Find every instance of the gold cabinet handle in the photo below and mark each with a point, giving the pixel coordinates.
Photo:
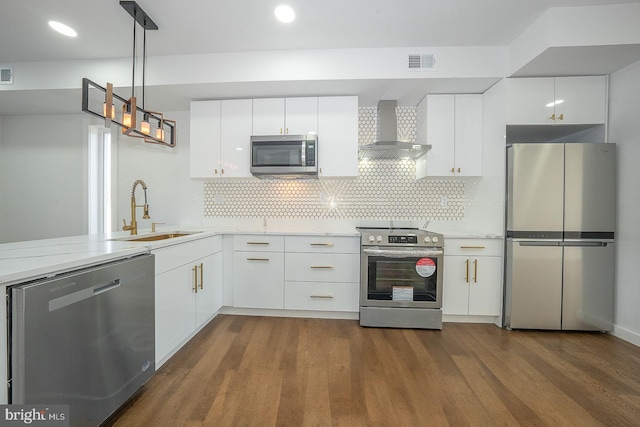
(321, 266)
(280, 131)
(257, 243)
(553, 117)
(475, 271)
(258, 259)
(321, 296)
(195, 278)
(321, 244)
(453, 170)
(466, 274)
(201, 275)
(561, 117)
(472, 247)
(221, 171)
(215, 171)
(458, 170)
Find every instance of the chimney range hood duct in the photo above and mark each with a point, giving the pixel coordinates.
(389, 145)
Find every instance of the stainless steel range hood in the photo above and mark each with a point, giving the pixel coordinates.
(389, 146)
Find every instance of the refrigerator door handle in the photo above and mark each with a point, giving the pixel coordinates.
(539, 243)
(586, 244)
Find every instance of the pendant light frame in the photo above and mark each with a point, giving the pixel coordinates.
(130, 106)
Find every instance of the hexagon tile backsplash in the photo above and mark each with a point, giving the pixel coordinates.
(384, 190)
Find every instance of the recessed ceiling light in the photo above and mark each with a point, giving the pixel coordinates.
(63, 29)
(285, 13)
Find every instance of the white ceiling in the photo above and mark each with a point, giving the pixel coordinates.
(205, 26)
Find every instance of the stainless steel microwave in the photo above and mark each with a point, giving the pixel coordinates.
(275, 155)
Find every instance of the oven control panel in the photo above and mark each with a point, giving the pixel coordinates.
(403, 239)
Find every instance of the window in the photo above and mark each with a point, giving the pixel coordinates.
(100, 180)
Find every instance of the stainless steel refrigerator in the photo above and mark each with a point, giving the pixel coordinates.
(560, 254)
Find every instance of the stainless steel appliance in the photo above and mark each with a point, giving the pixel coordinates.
(560, 257)
(401, 278)
(84, 339)
(284, 155)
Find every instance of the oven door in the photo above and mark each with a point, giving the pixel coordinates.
(401, 277)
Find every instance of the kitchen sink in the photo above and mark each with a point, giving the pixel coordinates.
(154, 237)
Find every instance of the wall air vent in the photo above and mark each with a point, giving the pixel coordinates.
(6, 75)
(422, 61)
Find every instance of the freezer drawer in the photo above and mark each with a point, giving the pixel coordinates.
(533, 293)
(588, 288)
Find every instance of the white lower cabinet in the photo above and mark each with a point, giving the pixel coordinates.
(258, 271)
(472, 277)
(322, 273)
(296, 272)
(188, 291)
(258, 280)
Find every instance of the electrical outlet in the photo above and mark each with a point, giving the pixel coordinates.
(444, 201)
(218, 199)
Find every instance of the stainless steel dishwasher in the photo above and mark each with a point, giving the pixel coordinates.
(84, 338)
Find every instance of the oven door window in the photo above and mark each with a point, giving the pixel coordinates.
(278, 153)
(411, 278)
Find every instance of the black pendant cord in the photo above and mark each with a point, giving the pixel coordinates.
(144, 62)
(133, 77)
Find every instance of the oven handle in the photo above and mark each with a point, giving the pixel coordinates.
(401, 253)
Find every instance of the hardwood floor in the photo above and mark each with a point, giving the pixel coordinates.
(268, 371)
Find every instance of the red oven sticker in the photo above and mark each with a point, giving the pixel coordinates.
(425, 267)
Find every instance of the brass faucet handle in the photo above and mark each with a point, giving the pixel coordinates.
(153, 226)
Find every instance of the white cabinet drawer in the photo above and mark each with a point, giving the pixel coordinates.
(479, 247)
(258, 280)
(305, 267)
(321, 296)
(171, 257)
(258, 243)
(326, 244)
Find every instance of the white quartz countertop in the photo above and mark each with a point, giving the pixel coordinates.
(35, 259)
(30, 260)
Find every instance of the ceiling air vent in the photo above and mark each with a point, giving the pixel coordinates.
(422, 61)
(6, 75)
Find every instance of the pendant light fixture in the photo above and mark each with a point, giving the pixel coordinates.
(165, 129)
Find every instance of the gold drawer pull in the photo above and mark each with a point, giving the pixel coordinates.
(258, 259)
(322, 296)
(257, 243)
(321, 244)
(321, 266)
(472, 247)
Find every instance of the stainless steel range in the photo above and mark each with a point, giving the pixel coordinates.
(401, 278)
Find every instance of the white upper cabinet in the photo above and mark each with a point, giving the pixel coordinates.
(205, 139)
(235, 134)
(285, 116)
(454, 131)
(338, 136)
(557, 100)
(220, 132)
(268, 116)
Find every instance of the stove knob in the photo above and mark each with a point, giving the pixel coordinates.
(427, 239)
(379, 238)
(435, 239)
(371, 238)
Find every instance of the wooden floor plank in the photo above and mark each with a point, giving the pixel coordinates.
(267, 371)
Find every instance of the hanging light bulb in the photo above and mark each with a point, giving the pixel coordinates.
(112, 113)
(145, 127)
(126, 116)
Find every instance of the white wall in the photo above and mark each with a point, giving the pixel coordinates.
(624, 130)
(172, 196)
(42, 170)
